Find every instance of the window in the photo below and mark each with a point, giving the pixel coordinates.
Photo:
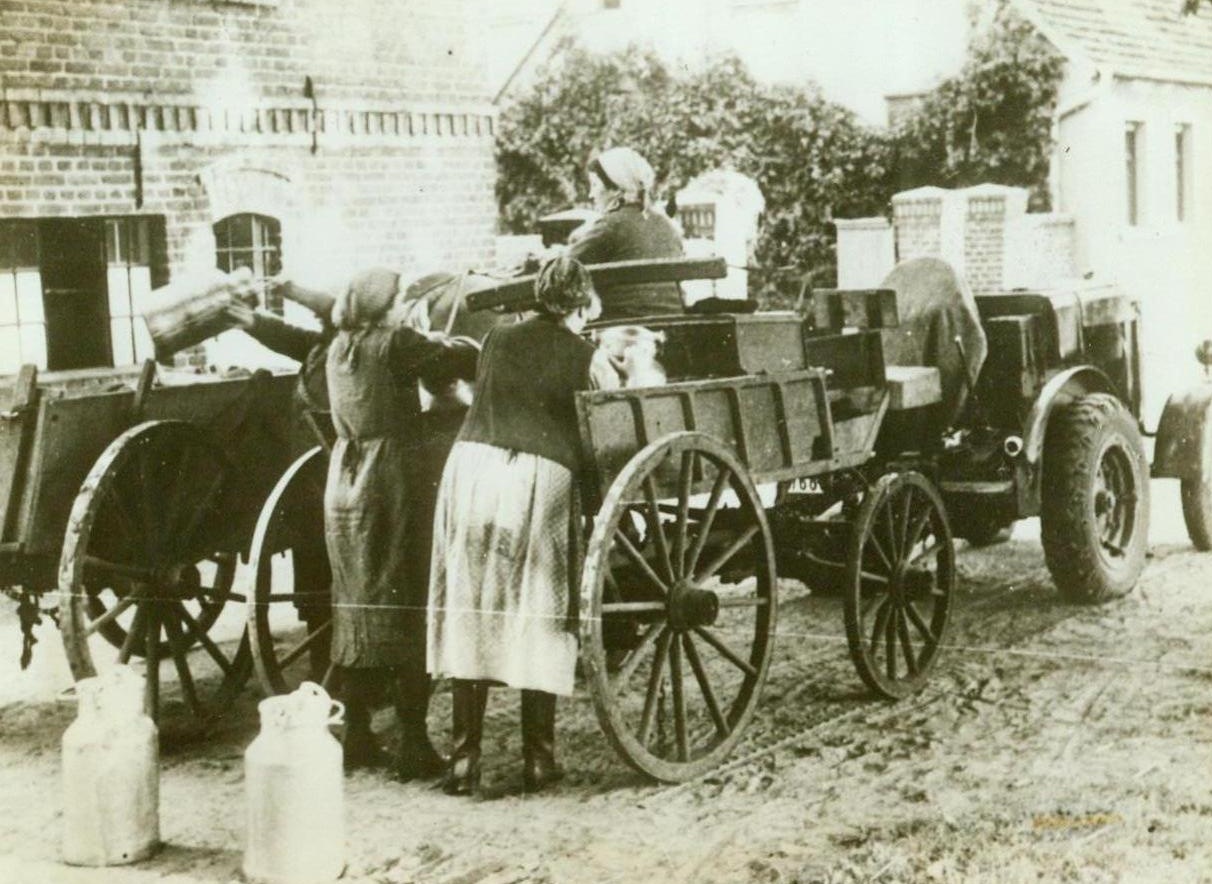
(128, 283)
(1182, 172)
(255, 242)
(1133, 159)
(698, 221)
(22, 318)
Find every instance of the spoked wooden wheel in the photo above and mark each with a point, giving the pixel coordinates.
(290, 611)
(900, 580)
(147, 566)
(679, 578)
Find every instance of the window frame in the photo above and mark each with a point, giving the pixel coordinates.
(264, 243)
(1184, 165)
(13, 265)
(1134, 172)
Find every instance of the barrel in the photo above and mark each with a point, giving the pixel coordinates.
(190, 310)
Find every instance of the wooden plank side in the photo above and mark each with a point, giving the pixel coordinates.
(72, 432)
(70, 435)
(16, 436)
(617, 423)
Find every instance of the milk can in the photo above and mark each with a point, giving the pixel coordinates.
(190, 310)
(293, 784)
(111, 777)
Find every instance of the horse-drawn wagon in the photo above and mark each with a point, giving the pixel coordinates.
(678, 574)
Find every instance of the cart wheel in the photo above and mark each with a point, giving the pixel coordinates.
(145, 565)
(681, 559)
(900, 579)
(290, 613)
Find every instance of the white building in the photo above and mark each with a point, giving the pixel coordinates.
(1133, 161)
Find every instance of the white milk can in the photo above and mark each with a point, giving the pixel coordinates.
(111, 776)
(293, 784)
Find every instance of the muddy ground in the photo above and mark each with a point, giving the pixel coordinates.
(1055, 743)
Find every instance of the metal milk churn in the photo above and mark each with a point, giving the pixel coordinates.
(293, 784)
(190, 310)
(111, 776)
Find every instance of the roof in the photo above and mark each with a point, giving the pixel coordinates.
(1145, 39)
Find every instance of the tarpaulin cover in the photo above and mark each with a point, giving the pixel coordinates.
(935, 306)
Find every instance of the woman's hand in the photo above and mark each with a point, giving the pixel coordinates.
(239, 314)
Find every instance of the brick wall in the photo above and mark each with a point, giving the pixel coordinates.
(986, 233)
(991, 210)
(354, 50)
(917, 217)
(195, 110)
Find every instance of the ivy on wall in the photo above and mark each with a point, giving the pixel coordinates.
(812, 159)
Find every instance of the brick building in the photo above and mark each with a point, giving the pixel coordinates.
(141, 139)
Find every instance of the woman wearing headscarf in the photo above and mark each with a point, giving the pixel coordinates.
(501, 604)
(620, 184)
(378, 513)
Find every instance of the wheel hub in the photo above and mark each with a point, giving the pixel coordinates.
(690, 606)
(181, 580)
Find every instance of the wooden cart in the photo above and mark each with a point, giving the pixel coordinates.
(678, 596)
(686, 484)
(135, 497)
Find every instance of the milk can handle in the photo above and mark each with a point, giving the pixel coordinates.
(337, 714)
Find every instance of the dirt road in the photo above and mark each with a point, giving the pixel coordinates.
(1055, 743)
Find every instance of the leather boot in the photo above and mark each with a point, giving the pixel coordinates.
(360, 748)
(539, 766)
(463, 771)
(417, 759)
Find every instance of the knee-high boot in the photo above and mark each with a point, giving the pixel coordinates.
(417, 758)
(539, 765)
(467, 728)
(361, 749)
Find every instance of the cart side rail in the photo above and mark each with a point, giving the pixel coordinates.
(780, 425)
(250, 418)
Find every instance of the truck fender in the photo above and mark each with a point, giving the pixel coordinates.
(1070, 384)
(1184, 435)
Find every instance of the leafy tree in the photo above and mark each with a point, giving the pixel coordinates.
(812, 159)
(990, 123)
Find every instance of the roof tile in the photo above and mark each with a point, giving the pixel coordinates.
(1133, 38)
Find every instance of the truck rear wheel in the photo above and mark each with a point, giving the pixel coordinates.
(1095, 516)
(1197, 511)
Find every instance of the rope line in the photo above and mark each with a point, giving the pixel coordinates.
(830, 638)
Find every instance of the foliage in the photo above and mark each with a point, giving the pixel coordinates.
(990, 123)
(812, 159)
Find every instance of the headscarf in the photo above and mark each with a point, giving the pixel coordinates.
(624, 170)
(362, 306)
(367, 299)
(563, 286)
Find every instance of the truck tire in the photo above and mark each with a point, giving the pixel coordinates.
(1095, 508)
(1197, 511)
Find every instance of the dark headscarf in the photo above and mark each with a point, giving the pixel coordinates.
(363, 305)
(563, 286)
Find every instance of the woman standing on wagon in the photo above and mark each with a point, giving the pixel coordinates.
(378, 524)
(500, 597)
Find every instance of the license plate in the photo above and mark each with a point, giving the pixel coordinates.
(808, 485)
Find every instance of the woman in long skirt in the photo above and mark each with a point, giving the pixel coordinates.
(378, 506)
(502, 580)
